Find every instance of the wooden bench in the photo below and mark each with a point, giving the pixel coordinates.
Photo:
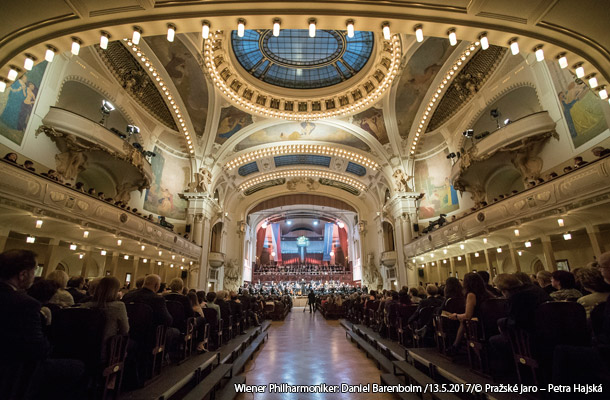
(417, 377)
(392, 380)
(210, 382)
(240, 362)
(228, 392)
(382, 361)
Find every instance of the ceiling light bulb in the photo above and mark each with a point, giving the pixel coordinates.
(419, 33)
(75, 49)
(86, 234)
(462, 246)
(603, 94)
(312, 28)
(499, 249)
(142, 247)
(126, 257)
(452, 37)
(459, 258)
(528, 244)
(350, 28)
(49, 54)
(103, 252)
(137, 34)
(484, 41)
(119, 242)
(241, 28)
(12, 74)
(81, 256)
(171, 32)
(72, 247)
(514, 47)
(516, 232)
(276, 28)
(205, 30)
(560, 221)
(444, 251)
(104, 40)
(476, 254)
(592, 81)
(520, 253)
(484, 240)
(563, 61)
(39, 223)
(580, 71)
(30, 239)
(539, 54)
(145, 260)
(29, 63)
(567, 236)
(386, 31)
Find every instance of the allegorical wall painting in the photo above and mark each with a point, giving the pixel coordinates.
(170, 175)
(432, 179)
(232, 120)
(372, 121)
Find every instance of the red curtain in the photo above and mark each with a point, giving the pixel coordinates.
(260, 241)
(343, 240)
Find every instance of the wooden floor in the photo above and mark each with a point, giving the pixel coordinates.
(306, 349)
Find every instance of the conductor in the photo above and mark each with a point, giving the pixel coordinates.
(311, 299)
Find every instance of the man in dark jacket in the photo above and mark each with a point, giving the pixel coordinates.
(148, 295)
(311, 300)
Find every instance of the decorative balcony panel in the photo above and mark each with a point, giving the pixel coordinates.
(388, 258)
(216, 259)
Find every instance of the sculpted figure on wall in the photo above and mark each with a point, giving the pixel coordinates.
(401, 181)
(203, 180)
(232, 278)
(370, 275)
(70, 163)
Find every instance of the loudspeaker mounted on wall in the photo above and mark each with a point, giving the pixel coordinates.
(187, 228)
(416, 227)
(183, 274)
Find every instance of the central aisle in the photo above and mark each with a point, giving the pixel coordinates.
(306, 349)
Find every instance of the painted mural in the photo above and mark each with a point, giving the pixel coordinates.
(372, 121)
(187, 76)
(305, 130)
(432, 178)
(419, 73)
(581, 107)
(170, 176)
(232, 120)
(17, 103)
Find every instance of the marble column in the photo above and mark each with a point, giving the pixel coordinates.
(514, 256)
(114, 264)
(452, 265)
(468, 262)
(549, 255)
(595, 238)
(51, 258)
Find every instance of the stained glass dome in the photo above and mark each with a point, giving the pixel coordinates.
(295, 60)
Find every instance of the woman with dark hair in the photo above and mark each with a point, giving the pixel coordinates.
(476, 294)
(43, 290)
(105, 298)
(565, 283)
(454, 296)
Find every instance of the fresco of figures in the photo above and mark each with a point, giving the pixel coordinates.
(432, 179)
(231, 121)
(170, 177)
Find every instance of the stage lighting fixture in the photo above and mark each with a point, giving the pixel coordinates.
(288, 222)
(451, 155)
(131, 129)
(468, 133)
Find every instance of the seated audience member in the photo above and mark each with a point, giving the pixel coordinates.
(433, 300)
(91, 191)
(176, 285)
(101, 196)
(476, 294)
(523, 298)
(225, 308)
(565, 284)
(80, 187)
(62, 298)
(148, 295)
(29, 165)
(43, 290)
(211, 302)
(52, 174)
(201, 297)
(21, 334)
(139, 283)
(75, 288)
(192, 296)
(579, 162)
(11, 157)
(544, 280)
(592, 281)
(454, 292)
(106, 298)
(415, 299)
(485, 276)
(600, 151)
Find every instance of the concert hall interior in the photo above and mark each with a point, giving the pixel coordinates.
(200, 194)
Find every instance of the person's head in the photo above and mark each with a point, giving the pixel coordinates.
(201, 296)
(563, 280)
(604, 266)
(453, 288)
(60, 277)
(193, 299)
(473, 283)
(597, 151)
(18, 267)
(543, 278)
(210, 297)
(93, 285)
(176, 285)
(523, 277)
(106, 291)
(413, 292)
(484, 275)
(79, 185)
(12, 157)
(152, 282)
(28, 164)
(508, 284)
(431, 290)
(42, 290)
(139, 282)
(76, 282)
(592, 280)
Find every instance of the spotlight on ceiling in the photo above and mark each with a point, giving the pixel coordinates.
(312, 27)
(131, 129)
(276, 27)
(349, 26)
(468, 133)
(241, 27)
(451, 155)
(106, 109)
(289, 222)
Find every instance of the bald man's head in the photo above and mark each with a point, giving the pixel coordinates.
(604, 266)
(152, 282)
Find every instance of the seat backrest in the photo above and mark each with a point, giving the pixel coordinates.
(425, 316)
(597, 318)
(77, 333)
(141, 321)
(490, 312)
(455, 305)
(560, 322)
(176, 310)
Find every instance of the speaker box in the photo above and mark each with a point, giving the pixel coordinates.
(183, 274)
(416, 227)
(187, 228)
(420, 272)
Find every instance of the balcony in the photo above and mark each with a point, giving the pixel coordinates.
(579, 191)
(216, 259)
(24, 193)
(388, 258)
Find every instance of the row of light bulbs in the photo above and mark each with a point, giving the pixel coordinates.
(527, 243)
(300, 149)
(365, 102)
(302, 173)
(119, 242)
